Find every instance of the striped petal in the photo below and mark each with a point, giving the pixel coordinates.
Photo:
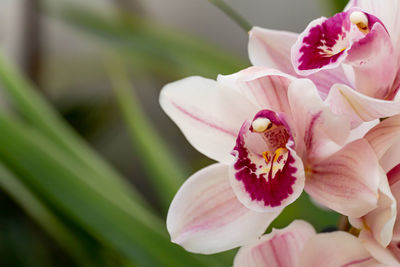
(394, 181)
(281, 248)
(271, 48)
(208, 115)
(359, 107)
(384, 135)
(380, 221)
(346, 181)
(336, 249)
(266, 88)
(206, 217)
(383, 255)
(319, 132)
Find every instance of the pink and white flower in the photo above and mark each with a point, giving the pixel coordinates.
(299, 246)
(273, 136)
(358, 48)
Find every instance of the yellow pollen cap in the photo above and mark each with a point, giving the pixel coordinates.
(361, 20)
(261, 124)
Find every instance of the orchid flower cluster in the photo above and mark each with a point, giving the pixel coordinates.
(318, 111)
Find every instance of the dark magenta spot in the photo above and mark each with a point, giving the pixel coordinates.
(318, 49)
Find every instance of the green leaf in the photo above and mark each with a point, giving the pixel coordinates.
(165, 172)
(48, 170)
(339, 5)
(232, 14)
(11, 185)
(41, 115)
(304, 209)
(152, 47)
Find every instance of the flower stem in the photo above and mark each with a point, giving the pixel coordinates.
(230, 12)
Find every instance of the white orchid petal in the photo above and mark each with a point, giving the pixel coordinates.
(359, 107)
(346, 181)
(206, 217)
(209, 116)
(384, 135)
(335, 249)
(281, 248)
(381, 220)
(394, 181)
(317, 128)
(391, 157)
(271, 48)
(379, 252)
(361, 130)
(266, 88)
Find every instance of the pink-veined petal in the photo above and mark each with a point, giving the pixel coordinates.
(384, 135)
(208, 115)
(346, 181)
(334, 250)
(318, 130)
(266, 88)
(394, 249)
(391, 157)
(281, 248)
(381, 220)
(267, 174)
(271, 48)
(381, 254)
(394, 181)
(206, 217)
(361, 130)
(359, 107)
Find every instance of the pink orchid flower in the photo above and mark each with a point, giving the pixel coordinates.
(380, 228)
(358, 48)
(298, 245)
(273, 136)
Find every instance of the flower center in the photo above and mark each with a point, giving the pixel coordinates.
(264, 165)
(275, 162)
(275, 138)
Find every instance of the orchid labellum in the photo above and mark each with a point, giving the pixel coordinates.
(273, 136)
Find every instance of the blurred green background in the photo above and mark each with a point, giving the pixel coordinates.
(88, 161)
